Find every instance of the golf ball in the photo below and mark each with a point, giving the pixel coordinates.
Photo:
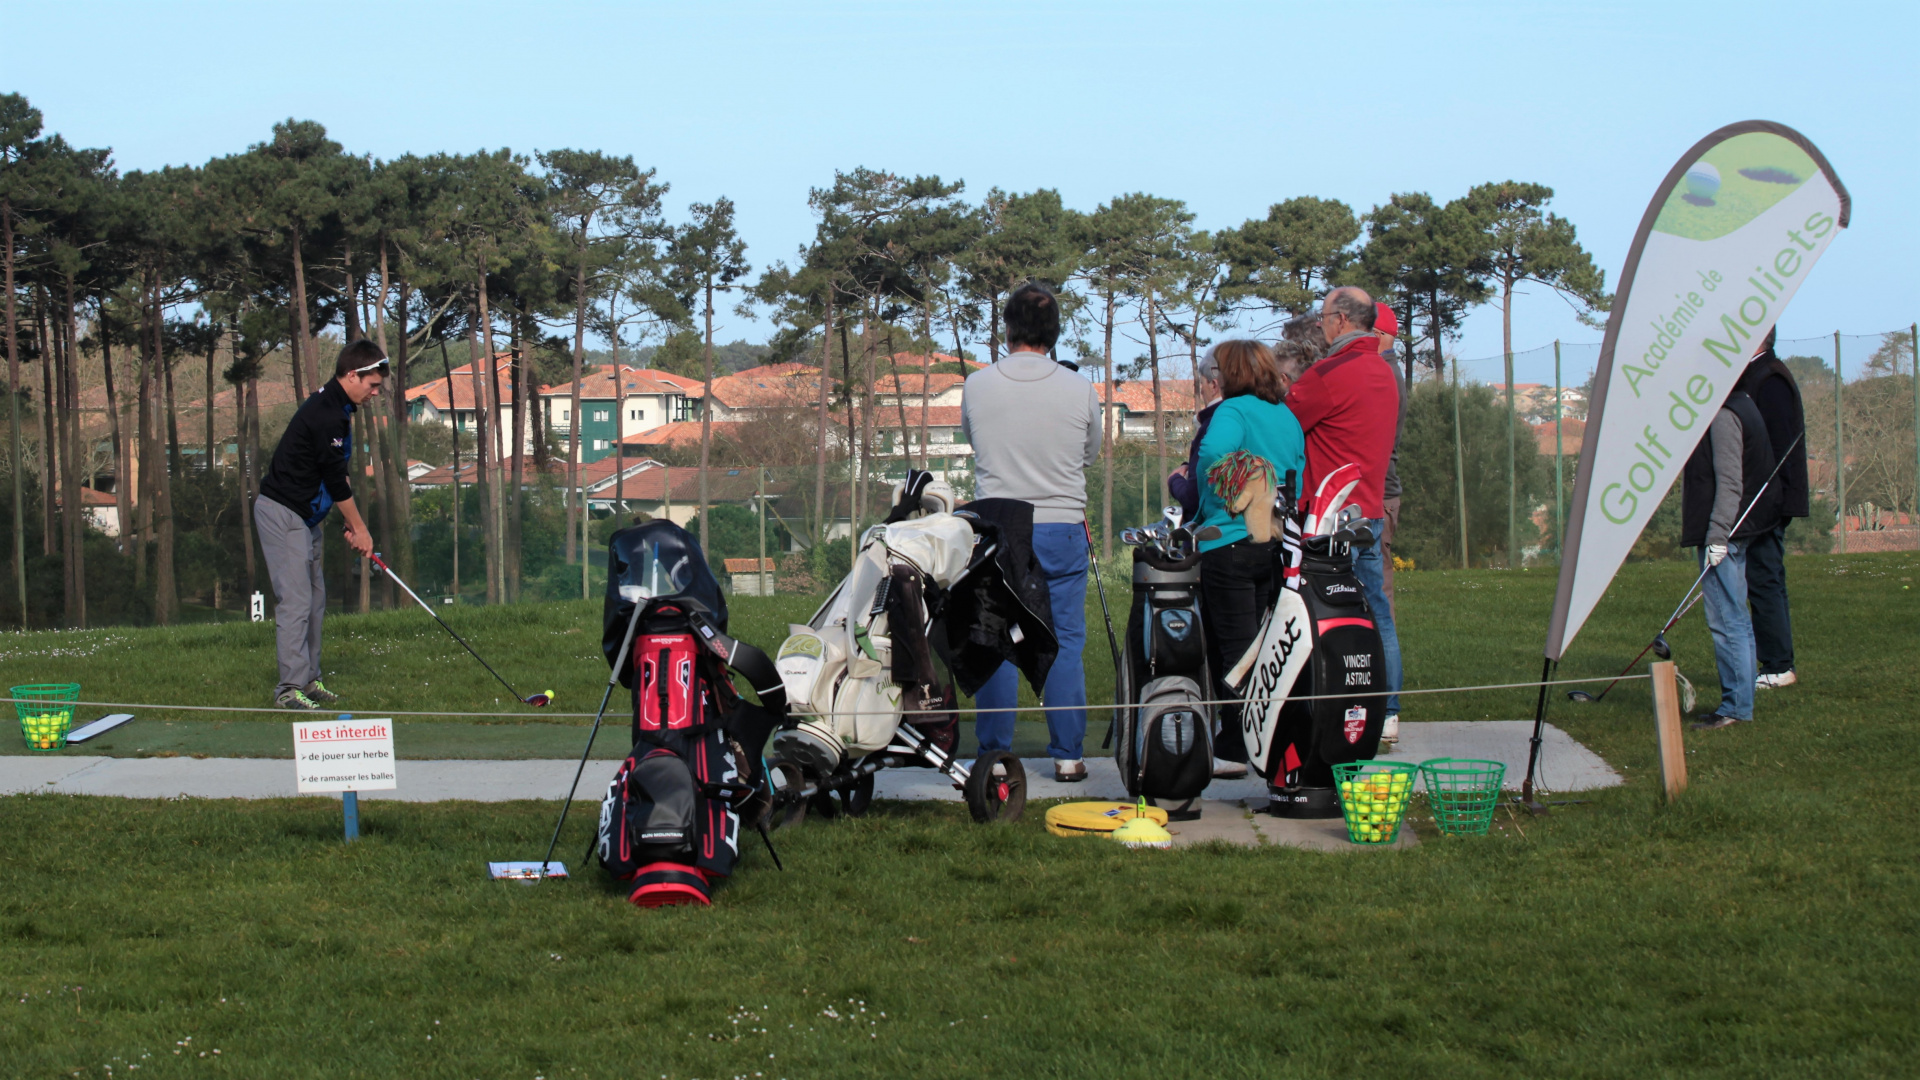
(1703, 180)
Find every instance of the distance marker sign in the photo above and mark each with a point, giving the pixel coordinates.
(344, 755)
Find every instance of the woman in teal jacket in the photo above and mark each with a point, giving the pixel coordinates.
(1236, 574)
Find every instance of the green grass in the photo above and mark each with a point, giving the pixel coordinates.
(1762, 926)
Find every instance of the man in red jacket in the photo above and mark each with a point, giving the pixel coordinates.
(1349, 406)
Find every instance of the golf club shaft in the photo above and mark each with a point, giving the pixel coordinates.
(1113, 646)
(613, 680)
(428, 608)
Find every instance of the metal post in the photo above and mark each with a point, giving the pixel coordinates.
(1513, 489)
(350, 801)
(1559, 447)
(1459, 462)
(1839, 448)
(1913, 342)
(761, 479)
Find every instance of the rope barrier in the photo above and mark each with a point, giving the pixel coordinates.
(321, 714)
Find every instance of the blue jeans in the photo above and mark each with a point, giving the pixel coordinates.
(1370, 568)
(1725, 587)
(1062, 551)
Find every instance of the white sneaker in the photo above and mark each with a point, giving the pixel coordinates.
(1229, 770)
(1390, 730)
(1775, 681)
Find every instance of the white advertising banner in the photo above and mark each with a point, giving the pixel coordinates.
(344, 755)
(1732, 232)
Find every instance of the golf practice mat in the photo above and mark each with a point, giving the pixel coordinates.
(1096, 818)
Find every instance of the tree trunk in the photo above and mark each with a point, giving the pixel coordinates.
(926, 380)
(517, 376)
(402, 446)
(176, 465)
(166, 597)
(706, 418)
(79, 456)
(207, 405)
(1159, 408)
(483, 453)
(121, 475)
(820, 522)
(900, 398)
(1513, 486)
(575, 499)
(381, 428)
(868, 341)
(446, 366)
(67, 425)
(308, 363)
(246, 402)
(13, 429)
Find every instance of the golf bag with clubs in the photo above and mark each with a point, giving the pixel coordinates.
(860, 676)
(1319, 643)
(1163, 738)
(670, 821)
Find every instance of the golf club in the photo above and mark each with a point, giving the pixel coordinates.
(613, 680)
(1113, 645)
(536, 700)
(1659, 642)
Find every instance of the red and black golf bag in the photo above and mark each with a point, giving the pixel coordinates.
(670, 822)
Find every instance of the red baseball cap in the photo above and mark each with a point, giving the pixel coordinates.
(1384, 321)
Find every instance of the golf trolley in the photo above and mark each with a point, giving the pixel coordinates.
(863, 691)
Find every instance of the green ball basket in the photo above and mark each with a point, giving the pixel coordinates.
(1463, 793)
(46, 713)
(1373, 798)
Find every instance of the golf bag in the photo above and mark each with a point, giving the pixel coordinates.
(1319, 643)
(670, 821)
(1164, 737)
(865, 657)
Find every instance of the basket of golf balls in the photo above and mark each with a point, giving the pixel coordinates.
(46, 713)
(1373, 797)
(1462, 793)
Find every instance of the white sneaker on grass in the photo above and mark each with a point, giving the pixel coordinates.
(1775, 680)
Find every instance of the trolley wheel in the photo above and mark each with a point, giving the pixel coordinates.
(787, 780)
(857, 798)
(997, 787)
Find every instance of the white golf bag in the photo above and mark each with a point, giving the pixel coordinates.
(843, 680)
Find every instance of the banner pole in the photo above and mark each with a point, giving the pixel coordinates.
(1913, 342)
(1513, 488)
(1533, 746)
(1839, 448)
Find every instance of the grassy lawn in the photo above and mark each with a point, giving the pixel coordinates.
(1764, 925)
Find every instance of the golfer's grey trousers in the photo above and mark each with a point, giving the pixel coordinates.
(293, 553)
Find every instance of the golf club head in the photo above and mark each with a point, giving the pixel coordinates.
(540, 701)
(1579, 695)
(1660, 647)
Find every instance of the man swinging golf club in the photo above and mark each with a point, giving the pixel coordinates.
(307, 478)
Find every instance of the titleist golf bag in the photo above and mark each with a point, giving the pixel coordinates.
(670, 822)
(1163, 738)
(1319, 644)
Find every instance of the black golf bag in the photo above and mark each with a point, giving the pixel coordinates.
(670, 822)
(1164, 735)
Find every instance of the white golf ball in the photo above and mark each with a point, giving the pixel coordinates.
(1703, 180)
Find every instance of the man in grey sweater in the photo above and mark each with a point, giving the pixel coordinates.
(1725, 501)
(1035, 429)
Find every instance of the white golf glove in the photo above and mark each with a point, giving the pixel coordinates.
(1715, 553)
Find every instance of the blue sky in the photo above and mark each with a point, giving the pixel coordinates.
(1231, 107)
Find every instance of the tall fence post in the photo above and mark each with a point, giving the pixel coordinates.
(1459, 464)
(1559, 447)
(1513, 489)
(1913, 343)
(1839, 448)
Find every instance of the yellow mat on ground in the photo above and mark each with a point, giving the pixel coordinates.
(1096, 818)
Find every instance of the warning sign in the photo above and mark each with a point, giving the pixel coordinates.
(344, 755)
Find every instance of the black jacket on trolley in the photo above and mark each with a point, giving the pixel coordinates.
(1770, 383)
(1001, 611)
(1699, 480)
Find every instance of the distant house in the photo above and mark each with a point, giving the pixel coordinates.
(437, 402)
(614, 406)
(746, 576)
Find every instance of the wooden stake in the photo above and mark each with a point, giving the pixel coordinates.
(1666, 715)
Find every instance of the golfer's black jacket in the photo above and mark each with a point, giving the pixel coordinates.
(308, 473)
(1770, 383)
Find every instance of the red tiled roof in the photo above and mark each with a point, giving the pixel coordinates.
(436, 391)
(917, 384)
(598, 383)
(749, 566)
(888, 416)
(1176, 394)
(1571, 433)
(775, 386)
(906, 359)
(680, 433)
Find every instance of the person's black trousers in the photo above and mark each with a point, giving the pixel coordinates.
(1236, 589)
(1767, 596)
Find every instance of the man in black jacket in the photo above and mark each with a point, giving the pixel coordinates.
(1770, 384)
(306, 479)
(1726, 501)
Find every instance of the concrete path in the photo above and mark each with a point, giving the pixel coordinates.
(1566, 766)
